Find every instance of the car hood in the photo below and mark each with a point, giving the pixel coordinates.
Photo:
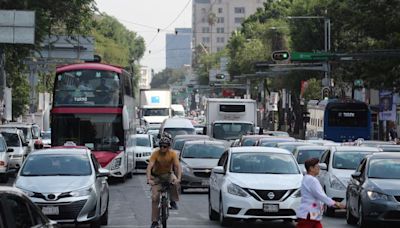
(387, 186)
(155, 119)
(53, 184)
(141, 149)
(196, 163)
(267, 181)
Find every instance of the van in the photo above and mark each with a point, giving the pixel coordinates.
(177, 126)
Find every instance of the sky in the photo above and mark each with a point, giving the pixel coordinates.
(144, 17)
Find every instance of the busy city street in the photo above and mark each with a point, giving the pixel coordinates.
(130, 208)
(199, 113)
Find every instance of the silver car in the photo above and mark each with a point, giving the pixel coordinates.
(17, 147)
(197, 160)
(4, 160)
(68, 184)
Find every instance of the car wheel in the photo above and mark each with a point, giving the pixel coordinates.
(3, 178)
(222, 219)
(362, 223)
(104, 217)
(95, 224)
(329, 211)
(212, 214)
(350, 218)
(129, 175)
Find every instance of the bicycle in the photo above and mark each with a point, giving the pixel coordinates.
(164, 203)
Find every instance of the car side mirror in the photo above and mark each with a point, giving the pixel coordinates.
(219, 170)
(356, 175)
(323, 166)
(9, 150)
(103, 172)
(25, 144)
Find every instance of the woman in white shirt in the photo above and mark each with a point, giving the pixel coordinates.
(313, 198)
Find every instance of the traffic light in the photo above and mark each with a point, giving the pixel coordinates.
(326, 92)
(280, 55)
(220, 76)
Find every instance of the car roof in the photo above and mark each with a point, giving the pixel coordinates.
(294, 143)
(312, 147)
(18, 124)
(80, 150)
(191, 137)
(256, 136)
(11, 130)
(386, 155)
(178, 123)
(356, 148)
(204, 142)
(257, 149)
(140, 136)
(277, 138)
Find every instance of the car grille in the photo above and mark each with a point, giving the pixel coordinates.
(397, 198)
(67, 211)
(260, 212)
(202, 174)
(392, 215)
(41, 196)
(265, 194)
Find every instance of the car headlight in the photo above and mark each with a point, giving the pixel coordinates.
(26, 192)
(377, 196)
(236, 190)
(297, 193)
(186, 169)
(336, 183)
(116, 163)
(81, 192)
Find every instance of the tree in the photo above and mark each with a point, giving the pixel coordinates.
(313, 90)
(167, 77)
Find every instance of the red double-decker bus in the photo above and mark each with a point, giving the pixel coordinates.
(93, 106)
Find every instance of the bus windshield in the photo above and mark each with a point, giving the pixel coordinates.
(231, 131)
(88, 87)
(347, 117)
(99, 132)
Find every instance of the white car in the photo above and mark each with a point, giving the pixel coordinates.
(4, 160)
(337, 165)
(17, 147)
(142, 147)
(254, 183)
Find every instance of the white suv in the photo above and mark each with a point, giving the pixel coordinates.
(337, 165)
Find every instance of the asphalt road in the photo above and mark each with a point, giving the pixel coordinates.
(130, 207)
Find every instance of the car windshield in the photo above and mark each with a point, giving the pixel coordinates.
(180, 131)
(57, 165)
(212, 151)
(46, 135)
(384, 168)
(249, 142)
(348, 159)
(12, 139)
(178, 144)
(266, 163)
(390, 148)
(231, 131)
(140, 141)
(304, 155)
(273, 142)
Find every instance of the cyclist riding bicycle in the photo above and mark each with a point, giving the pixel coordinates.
(163, 162)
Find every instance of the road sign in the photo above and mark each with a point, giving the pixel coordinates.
(280, 55)
(309, 56)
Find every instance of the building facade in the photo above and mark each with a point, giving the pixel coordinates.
(179, 48)
(145, 77)
(214, 21)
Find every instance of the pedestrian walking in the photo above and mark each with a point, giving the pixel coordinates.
(313, 198)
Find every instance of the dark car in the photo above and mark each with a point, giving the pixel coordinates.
(373, 194)
(180, 140)
(16, 210)
(251, 140)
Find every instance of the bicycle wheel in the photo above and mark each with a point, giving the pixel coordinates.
(164, 212)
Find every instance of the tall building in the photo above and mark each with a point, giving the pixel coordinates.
(145, 77)
(179, 48)
(214, 21)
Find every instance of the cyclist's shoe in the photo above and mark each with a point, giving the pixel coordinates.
(154, 225)
(173, 205)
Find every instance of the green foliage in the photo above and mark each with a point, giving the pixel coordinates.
(313, 90)
(167, 77)
(206, 62)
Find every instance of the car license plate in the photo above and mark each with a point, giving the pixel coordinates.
(270, 207)
(205, 182)
(50, 210)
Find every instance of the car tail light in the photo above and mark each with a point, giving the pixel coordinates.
(2, 163)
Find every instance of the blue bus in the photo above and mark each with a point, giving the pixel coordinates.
(339, 120)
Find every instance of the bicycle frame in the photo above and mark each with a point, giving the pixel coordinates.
(164, 203)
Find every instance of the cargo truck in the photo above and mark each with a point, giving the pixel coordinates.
(229, 119)
(155, 105)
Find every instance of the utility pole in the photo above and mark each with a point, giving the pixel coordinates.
(2, 82)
